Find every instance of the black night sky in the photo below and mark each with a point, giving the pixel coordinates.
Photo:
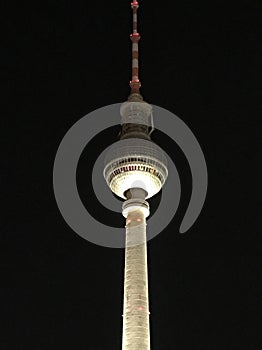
(64, 59)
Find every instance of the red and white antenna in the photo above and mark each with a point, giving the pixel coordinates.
(135, 82)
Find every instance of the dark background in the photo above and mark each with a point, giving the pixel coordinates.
(64, 59)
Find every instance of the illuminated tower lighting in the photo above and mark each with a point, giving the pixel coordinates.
(135, 171)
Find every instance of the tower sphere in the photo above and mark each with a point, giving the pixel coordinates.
(135, 163)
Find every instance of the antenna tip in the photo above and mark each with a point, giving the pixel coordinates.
(134, 4)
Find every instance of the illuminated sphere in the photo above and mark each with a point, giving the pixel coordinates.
(135, 163)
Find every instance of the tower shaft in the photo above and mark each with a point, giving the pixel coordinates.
(136, 335)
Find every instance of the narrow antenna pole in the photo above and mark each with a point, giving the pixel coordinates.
(135, 82)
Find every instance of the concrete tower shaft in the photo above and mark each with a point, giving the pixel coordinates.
(136, 334)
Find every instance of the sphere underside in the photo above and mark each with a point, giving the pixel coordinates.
(136, 166)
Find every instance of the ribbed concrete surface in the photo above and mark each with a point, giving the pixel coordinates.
(136, 313)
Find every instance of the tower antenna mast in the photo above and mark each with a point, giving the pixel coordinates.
(135, 37)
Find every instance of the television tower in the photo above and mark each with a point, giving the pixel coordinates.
(135, 170)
